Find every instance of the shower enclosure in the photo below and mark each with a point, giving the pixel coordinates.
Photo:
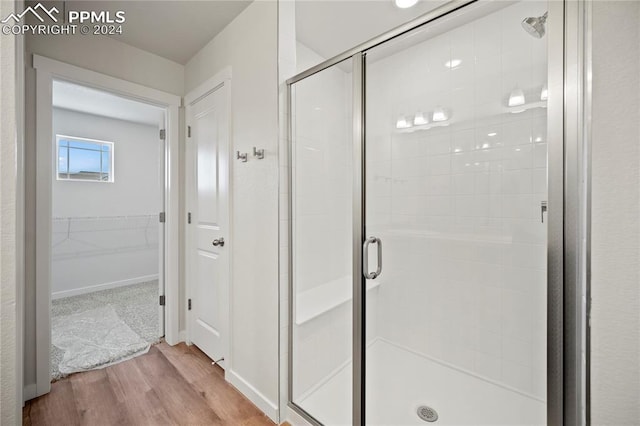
(426, 223)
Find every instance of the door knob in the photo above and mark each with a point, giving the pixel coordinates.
(218, 242)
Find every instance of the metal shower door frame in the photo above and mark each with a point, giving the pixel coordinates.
(568, 262)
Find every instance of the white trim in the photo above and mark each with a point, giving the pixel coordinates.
(29, 392)
(268, 407)
(162, 279)
(208, 86)
(171, 230)
(20, 215)
(105, 286)
(46, 70)
(220, 80)
(44, 133)
(226, 75)
(102, 81)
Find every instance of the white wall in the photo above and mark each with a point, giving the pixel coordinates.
(137, 187)
(10, 363)
(93, 245)
(104, 55)
(615, 239)
(249, 46)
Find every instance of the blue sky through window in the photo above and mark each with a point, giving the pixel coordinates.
(91, 159)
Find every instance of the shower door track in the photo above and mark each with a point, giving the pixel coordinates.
(568, 254)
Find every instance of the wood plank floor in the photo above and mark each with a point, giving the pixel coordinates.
(170, 385)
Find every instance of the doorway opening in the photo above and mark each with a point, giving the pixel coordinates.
(107, 232)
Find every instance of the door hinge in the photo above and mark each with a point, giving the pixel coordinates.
(189, 304)
(162, 217)
(189, 217)
(162, 300)
(188, 131)
(163, 134)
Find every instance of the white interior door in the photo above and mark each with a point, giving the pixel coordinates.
(209, 245)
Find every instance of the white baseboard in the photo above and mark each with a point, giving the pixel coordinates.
(182, 337)
(254, 395)
(29, 392)
(105, 286)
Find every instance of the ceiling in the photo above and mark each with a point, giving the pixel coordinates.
(331, 27)
(175, 30)
(97, 102)
(178, 29)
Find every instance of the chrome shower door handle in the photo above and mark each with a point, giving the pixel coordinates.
(365, 258)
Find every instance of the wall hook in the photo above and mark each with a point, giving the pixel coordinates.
(259, 153)
(241, 156)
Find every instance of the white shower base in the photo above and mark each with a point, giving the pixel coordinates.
(399, 381)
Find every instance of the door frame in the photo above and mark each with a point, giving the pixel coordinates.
(46, 71)
(568, 246)
(222, 80)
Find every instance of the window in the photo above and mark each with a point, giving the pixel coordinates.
(84, 159)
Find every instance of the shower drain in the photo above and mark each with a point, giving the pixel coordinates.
(427, 414)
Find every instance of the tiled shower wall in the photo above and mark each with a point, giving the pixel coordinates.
(322, 173)
(458, 207)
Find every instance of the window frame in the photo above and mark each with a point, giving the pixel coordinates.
(111, 173)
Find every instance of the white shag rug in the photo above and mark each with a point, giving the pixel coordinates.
(94, 339)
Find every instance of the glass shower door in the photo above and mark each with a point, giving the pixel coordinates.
(456, 167)
(321, 244)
